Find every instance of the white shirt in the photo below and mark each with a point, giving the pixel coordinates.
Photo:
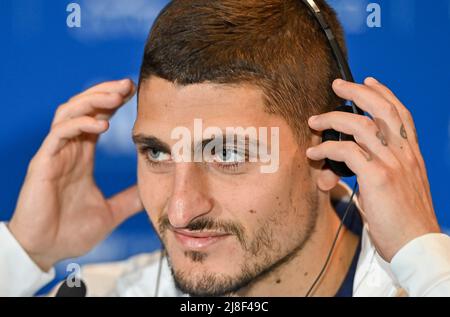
(420, 268)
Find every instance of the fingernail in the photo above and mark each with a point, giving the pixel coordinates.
(339, 81)
(371, 79)
(102, 123)
(125, 87)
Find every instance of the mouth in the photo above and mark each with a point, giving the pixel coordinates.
(198, 240)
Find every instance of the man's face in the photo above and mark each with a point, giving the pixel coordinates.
(222, 223)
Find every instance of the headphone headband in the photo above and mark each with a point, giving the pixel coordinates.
(342, 63)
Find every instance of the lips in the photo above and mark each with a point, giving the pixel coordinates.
(198, 240)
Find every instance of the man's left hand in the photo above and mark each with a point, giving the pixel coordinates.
(394, 190)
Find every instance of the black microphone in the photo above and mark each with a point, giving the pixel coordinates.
(72, 291)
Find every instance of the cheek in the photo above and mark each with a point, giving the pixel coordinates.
(256, 205)
(154, 190)
(275, 202)
(257, 196)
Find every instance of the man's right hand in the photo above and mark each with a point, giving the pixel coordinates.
(61, 213)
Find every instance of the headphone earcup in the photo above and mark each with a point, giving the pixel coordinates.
(339, 168)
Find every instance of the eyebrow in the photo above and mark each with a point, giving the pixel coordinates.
(234, 138)
(151, 141)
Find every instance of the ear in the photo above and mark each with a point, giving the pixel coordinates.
(327, 180)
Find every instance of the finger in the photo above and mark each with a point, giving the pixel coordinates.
(410, 132)
(67, 130)
(357, 160)
(125, 87)
(384, 113)
(404, 113)
(125, 204)
(385, 116)
(407, 119)
(363, 129)
(88, 105)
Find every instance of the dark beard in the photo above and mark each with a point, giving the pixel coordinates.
(220, 285)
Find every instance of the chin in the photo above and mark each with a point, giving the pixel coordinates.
(203, 282)
(206, 275)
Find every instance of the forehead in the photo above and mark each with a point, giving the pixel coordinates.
(164, 105)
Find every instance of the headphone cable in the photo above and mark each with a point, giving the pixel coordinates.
(346, 213)
(158, 278)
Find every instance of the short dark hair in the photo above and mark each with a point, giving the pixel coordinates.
(274, 44)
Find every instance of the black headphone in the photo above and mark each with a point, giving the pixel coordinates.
(339, 168)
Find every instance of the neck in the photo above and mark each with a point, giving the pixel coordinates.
(295, 277)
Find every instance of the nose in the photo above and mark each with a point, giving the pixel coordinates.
(189, 199)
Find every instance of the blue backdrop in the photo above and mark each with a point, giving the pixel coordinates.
(43, 62)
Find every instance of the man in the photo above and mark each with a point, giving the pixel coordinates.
(228, 228)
